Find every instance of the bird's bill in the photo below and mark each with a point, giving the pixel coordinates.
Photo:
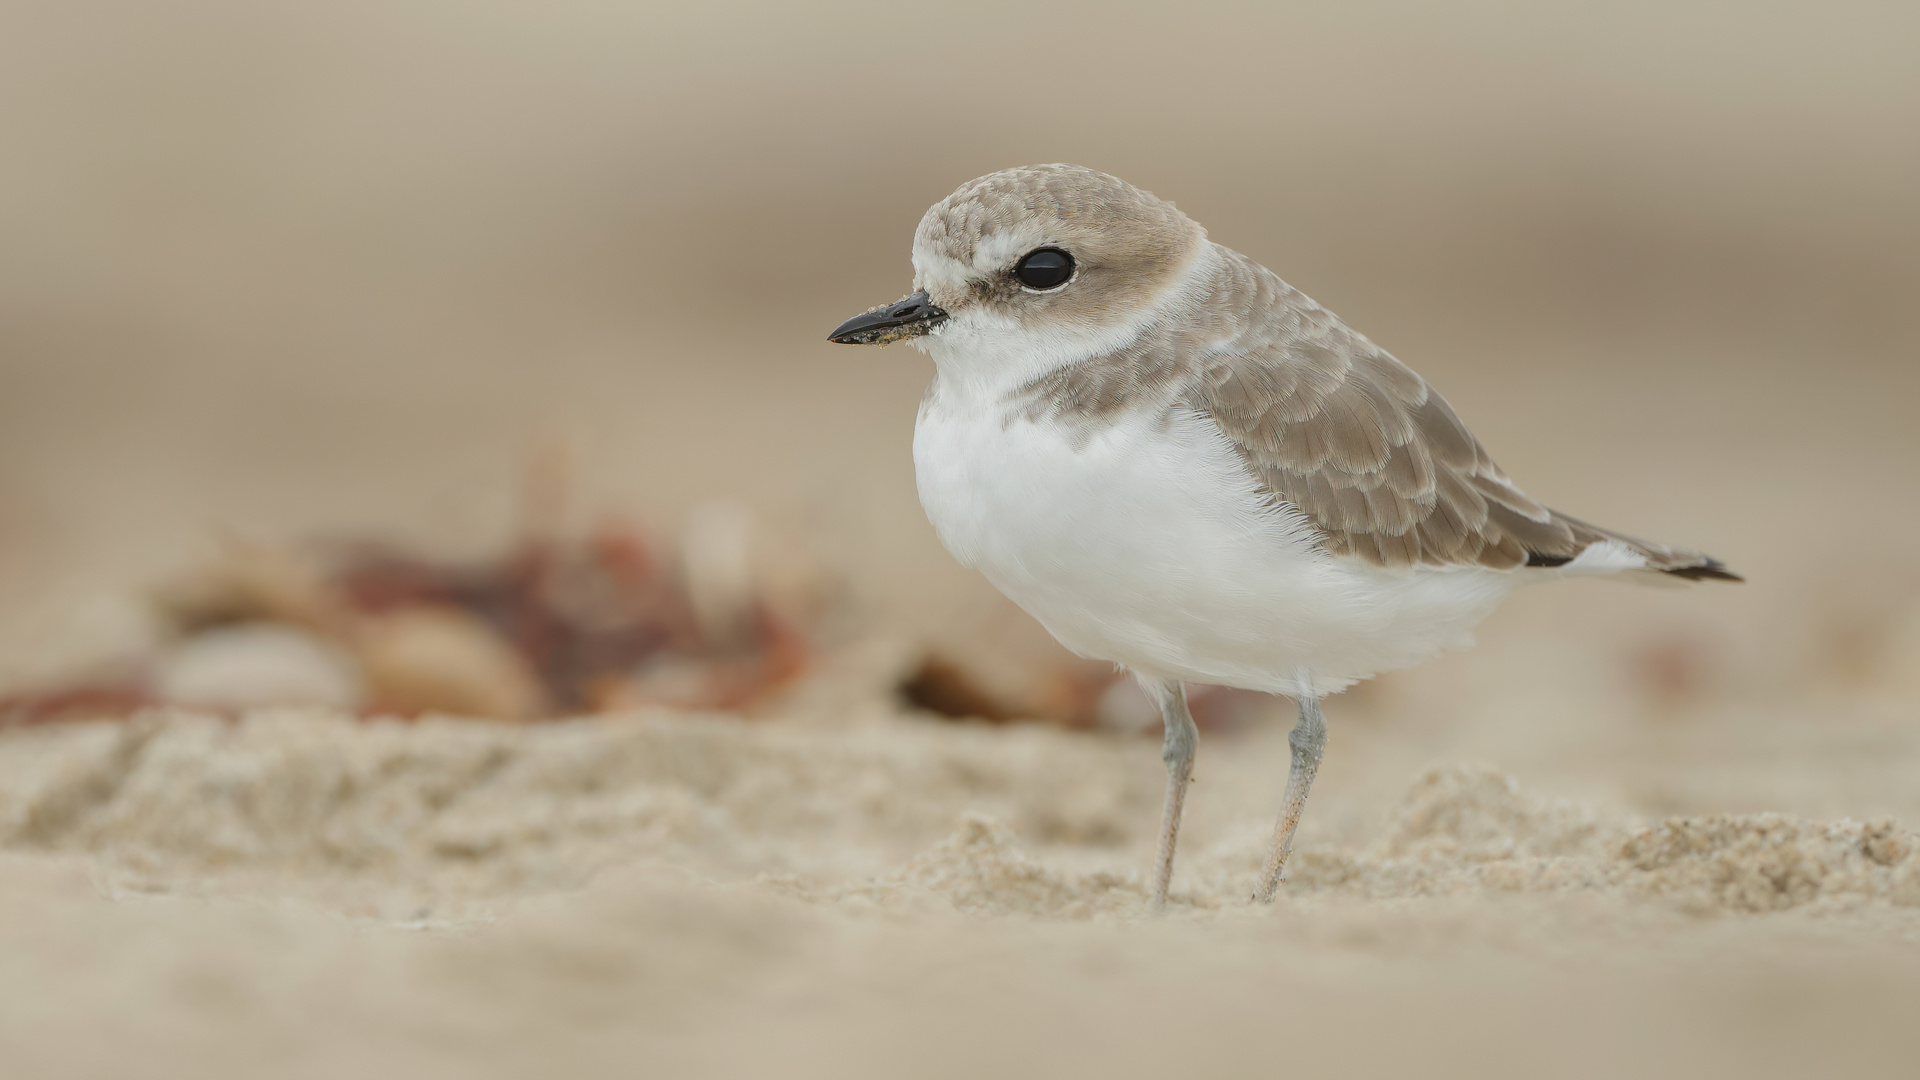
(912, 317)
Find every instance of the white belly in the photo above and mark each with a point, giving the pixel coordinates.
(1147, 543)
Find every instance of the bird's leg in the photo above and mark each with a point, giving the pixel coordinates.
(1178, 749)
(1309, 737)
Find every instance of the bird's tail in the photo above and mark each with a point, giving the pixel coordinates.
(1668, 562)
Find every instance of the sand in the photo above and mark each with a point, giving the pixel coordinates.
(843, 889)
(333, 269)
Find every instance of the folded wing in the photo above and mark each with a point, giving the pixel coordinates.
(1372, 455)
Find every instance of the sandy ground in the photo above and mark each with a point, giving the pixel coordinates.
(844, 890)
(335, 267)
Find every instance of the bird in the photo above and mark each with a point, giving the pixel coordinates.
(1178, 463)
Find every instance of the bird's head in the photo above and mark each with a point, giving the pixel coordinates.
(1052, 257)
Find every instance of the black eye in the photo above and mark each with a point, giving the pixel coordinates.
(1047, 268)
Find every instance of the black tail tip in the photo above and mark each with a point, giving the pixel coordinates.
(1710, 570)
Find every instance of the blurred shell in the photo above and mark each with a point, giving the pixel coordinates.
(253, 665)
(443, 660)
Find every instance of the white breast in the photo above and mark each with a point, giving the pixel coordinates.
(1146, 542)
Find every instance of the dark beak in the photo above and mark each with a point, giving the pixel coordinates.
(912, 317)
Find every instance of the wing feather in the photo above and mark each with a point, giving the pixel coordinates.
(1375, 458)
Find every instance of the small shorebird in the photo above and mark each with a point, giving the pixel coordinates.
(1179, 463)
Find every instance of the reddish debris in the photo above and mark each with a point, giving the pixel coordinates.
(557, 627)
(1074, 695)
(107, 698)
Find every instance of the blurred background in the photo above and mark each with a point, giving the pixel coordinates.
(309, 268)
(357, 268)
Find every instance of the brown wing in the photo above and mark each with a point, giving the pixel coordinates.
(1374, 457)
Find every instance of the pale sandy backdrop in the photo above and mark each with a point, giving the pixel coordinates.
(337, 266)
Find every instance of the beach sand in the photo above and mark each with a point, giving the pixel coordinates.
(336, 269)
(843, 889)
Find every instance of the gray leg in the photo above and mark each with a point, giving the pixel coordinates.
(1309, 738)
(1181, 739)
